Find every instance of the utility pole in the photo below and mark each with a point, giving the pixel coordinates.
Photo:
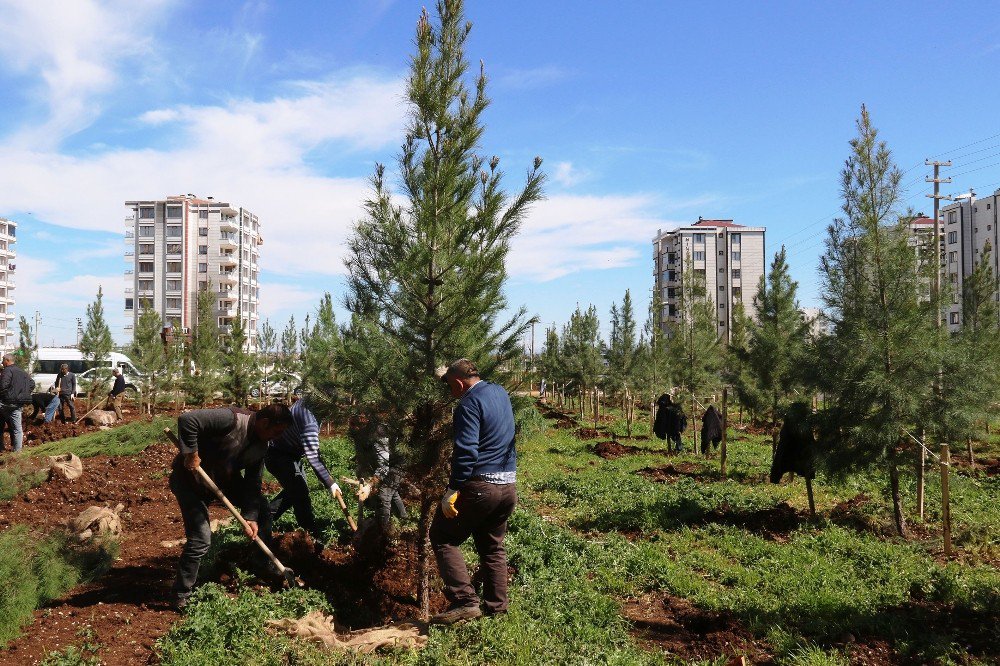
(937, 196)
(38, 321)
(79, 330)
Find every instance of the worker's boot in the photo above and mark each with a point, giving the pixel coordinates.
(457, 614)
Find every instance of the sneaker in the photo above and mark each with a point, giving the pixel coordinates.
(459, 614)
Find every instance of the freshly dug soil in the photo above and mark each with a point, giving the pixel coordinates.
(670, 473)
(771, 523)
(680, 629)
(588, 433)
(610, 450)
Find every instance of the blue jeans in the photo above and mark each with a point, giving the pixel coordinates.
(11, 415)
(50, 411)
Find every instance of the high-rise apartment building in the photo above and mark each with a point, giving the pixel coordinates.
(8, 328)
(967, 227)
(727, 258)
(183, 244)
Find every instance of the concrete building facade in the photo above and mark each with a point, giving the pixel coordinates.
(728, 258)
(182, 244)
(8, 255)
(968, 226)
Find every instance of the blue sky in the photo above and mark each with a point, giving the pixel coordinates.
(648, 114)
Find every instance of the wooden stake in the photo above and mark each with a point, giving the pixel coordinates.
(968, 448)
(921, 465)
(812, 502)
(725, 428)
(945, 507)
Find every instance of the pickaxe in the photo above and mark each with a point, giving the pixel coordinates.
(290, 578)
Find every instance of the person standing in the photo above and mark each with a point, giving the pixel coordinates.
(66, 386)
(230, 445)
(711, 429)
(480, 496)
(15, 392)
(670, 422)
(284, 462)
(117, 393)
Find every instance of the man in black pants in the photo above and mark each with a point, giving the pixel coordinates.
(480, 496)
(224, 442)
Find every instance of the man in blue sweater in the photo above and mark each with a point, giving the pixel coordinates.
(480, 496)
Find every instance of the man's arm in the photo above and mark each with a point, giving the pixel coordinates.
(466, 453)
(253, 477)
(6, 381)
(309, 438)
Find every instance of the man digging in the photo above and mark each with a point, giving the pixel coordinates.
(229, 445)
(480, 496)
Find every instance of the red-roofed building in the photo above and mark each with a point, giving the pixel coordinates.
(725, 257)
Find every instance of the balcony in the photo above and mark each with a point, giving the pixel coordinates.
(129, 273)
(228, 241)
(129, 254)
(129, 290)
(129, 235)
(227, 277)
(227, 260)
(229, 224)
(228, 311)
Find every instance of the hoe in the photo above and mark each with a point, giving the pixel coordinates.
(290, 578)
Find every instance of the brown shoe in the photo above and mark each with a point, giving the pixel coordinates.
(459, 614)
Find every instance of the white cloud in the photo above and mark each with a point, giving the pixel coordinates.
(73, 50)
(536, 77)
(567, 175)
(278, 298)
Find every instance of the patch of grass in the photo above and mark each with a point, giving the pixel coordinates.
(126, 440)
(37, 570)
(18, 476)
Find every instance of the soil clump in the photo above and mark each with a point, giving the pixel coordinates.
(610, 450)
(672, 472)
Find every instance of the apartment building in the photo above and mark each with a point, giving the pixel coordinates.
(727, 258)
(8, 327)
(182, 244)
(967, 227)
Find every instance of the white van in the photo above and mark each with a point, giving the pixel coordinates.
(48, 360)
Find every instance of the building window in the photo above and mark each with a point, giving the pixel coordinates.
(203, 214)
(699, 276)
(173, 285)
(145, 248)
(952, 237)
(670, 292)
(735, 238)
(737, 273)
(203, 231)
(954, 317)
(174, 212)
(146, 231)
(671, 258)
(145, 285)
(699, 256)
(173, 267)
(173, 304)
(145, 303)
(952, 257)
(129, 303)
(722, 253)
(736, 256)
(202, 249)
(173, 248)
(173, 231)
(202, 268)
(699, 238)
(146, 212)
(952, 217)
(145, 266)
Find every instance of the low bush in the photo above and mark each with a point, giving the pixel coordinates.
(18, 476)
(126, 440)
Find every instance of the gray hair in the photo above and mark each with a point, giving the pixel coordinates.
(463, 368)
(8, 357)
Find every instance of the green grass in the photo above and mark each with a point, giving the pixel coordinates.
(36, 570)
(127, 440)
(18, 476)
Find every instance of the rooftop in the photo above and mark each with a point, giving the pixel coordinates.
(922, 220)
(716, 223)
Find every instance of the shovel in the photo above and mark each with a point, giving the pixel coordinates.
(290, 578)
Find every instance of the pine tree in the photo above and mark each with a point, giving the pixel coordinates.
(242, 367)
(96, 343)
(425, 277)
(581, 352)
(777, 344)
(149, 353)
(203, 376)
(289, 361)
(878, 366)
(737, 371)
(26, 348)
(623, 356)
(694, 343)
(550, 363)
(654, 368)
(267, 340)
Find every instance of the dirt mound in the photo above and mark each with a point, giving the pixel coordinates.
(990, 467)
(850, 513)
(610, 450)
(670, 473)
(589, 433)
(680, 629)
(776, 521)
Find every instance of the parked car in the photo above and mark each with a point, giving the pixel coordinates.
(48, 360)
(278, 386)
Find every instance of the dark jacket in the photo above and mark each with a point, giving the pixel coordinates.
(670, 419)
(66, 383)
(711, 425)
(796, 449)
(484, 434)
(14, 380)
(119, 386)
(229, 452)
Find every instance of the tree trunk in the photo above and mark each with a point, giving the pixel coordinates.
(812, 502)
(427, 506)
(897, 504)
(968, 448)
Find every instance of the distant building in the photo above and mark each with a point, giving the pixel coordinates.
(967, 227)
(727, 257)
(182, 244)
(817, 321)
(8, 328)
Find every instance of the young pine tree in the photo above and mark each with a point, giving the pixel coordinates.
(96, 343)
(149, 353)
(878, 365)
(426, 276)
(203, 377)
(267, 341)
(242, 366)
(737, 368)
(550, 365)
(26, 349)
(581, 352)
(776, 350)
(623, 357)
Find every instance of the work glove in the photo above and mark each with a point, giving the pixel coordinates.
(448, 503)
(364, 490)
(335, 490)
(192, 460)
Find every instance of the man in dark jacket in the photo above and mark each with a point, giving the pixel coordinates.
(711, 429)
(670, 422)
(117, 393)
(66, 386)
(15, 391)
(229, 444)
(480, 496)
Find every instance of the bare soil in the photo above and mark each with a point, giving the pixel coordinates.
(773, 523)
(588, 433)
(611, 449)
(670, 473)
(662, 622)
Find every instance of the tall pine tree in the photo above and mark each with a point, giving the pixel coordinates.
(581, 352)
(149, 353)
(203, 376)
(242, 372)
(267, 341)
(426, 266)
(96, 343)
(623, 357)
(878, 366)
(26, 348)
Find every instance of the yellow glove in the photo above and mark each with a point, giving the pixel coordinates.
(448, 503)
